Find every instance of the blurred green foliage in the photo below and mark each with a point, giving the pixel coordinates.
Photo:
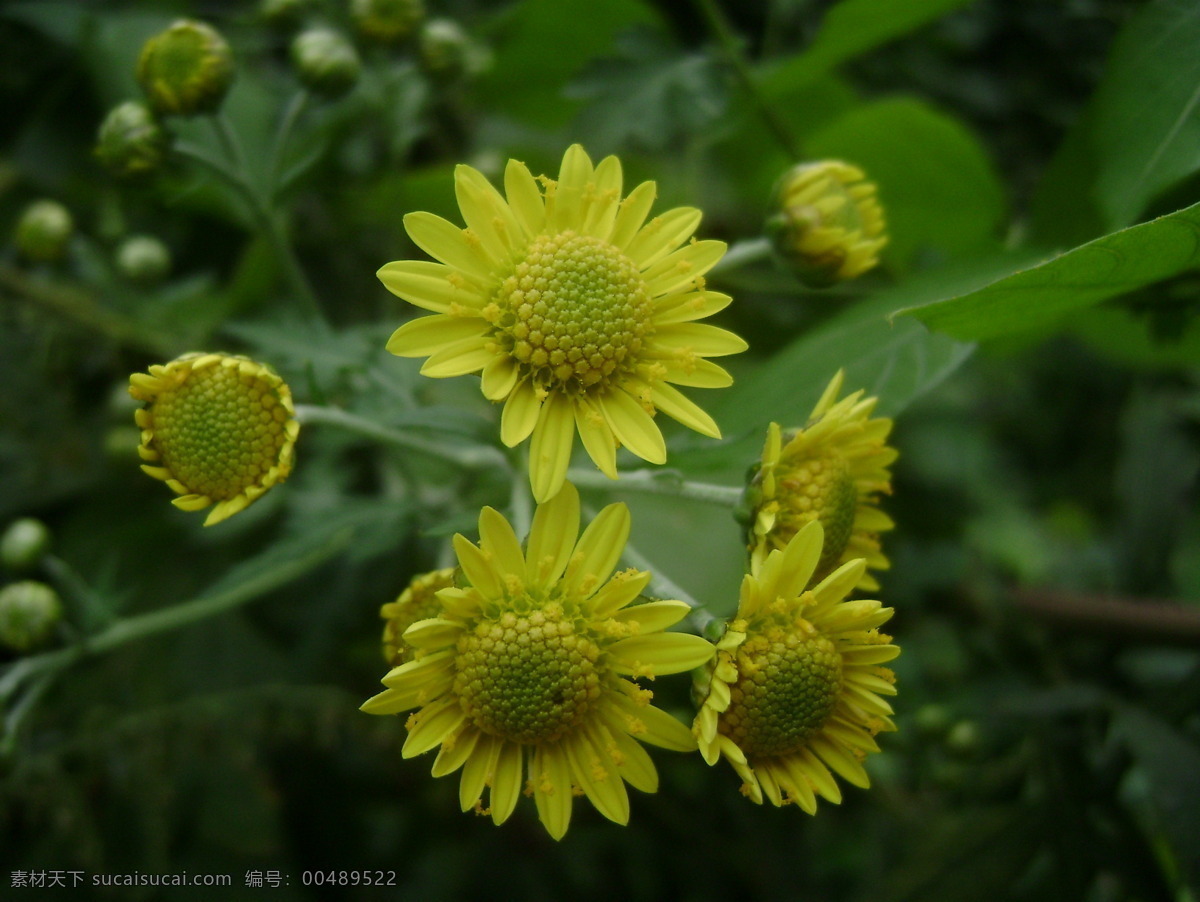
(1033, 329)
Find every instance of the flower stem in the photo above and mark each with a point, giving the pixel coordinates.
(658, 482)
(286, 125)
(741, 253)
(723, 32)
(521, 503)
(478, 457)
(132, 628)
(664, 587)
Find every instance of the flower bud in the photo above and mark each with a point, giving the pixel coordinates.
(827, 225)
(283, 12)
(24, 543)
(143, 259)
(44, 230)
(131, 141)
(186, 69)
(29, 611)
(444, 49)
(386, 21)
(326, 62)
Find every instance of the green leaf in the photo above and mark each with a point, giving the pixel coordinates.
(542, 45)
(1130, 339)
(1040, 296)
(937, 186)
(853, 27)
(649, 95)
(1147, 109)
(896, 361)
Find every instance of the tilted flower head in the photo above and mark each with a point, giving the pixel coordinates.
(526, 671)
(827, 223)
(832, 470)
(579, 313)
(417, 602)
(794, 691)
(218, 429)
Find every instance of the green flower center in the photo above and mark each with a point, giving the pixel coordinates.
(220, 431)
(817, 488)
(788, 684)
(529, 678)
(574, 311)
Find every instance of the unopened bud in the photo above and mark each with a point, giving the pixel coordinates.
(326, 62)
(444, 49)
(131, 141)
(24, 543)
(186, 69)
(386, 21)
(29, 612)
(143, 259)
(44, 230)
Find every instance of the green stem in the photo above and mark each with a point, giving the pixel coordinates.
(286, 126)
(723, 32)
(742, 253)
(652, 482)
(91, 610)
(132, 628)
(521, 502)
(478, 457)
(664, 587)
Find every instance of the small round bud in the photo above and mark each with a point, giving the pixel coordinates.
(186, 69)
(283, 12)
(29, 611)
(143, 259)
(444, 49)
(827, 223)
(932, 721)
(326, 62)
(963, 739)
(24, 543)
(44, 230)
(386, 21)
(131, 141)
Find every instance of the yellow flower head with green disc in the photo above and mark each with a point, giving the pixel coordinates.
(580, 314)
(218, 429)
(832, 470)
(795, 690)
(524, 681)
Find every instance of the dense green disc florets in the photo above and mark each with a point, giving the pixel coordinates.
(220, 431)
(574, 311)
(818, 487)
(528, 678)
(788, 684)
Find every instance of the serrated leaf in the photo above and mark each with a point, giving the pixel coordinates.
(1039, 297)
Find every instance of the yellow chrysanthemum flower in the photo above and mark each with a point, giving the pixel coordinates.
(828, 222)
(417, 602)
(579, 313)
(832, 470)
(218, 429)
(794, 691)
(526, 670)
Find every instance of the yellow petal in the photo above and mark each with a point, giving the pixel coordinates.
(661, 235)
(653, 616)
(524, 197)
(480, 766)
(506, 784)
(620, 591)
(426, 335)
(632, 213)
(633, 427)
(552, 537)
(566, 209)
(445, 241)
(841, 761)
(634, 764)
(453, 756)
(598, 550)
(468, 355)
(433, 633)
(431, 286)
(550, 774)
(598, 439)
(683, 267)
(520, 414)
(602, 211)
(434, 723)
(698, 338)
(598, 776)
(500, 377)
(477, 567)
(689, 306)
(659, 654)
(678, 407)
(487, 215)
(697, 373)
(497, 539)
(550, 450)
